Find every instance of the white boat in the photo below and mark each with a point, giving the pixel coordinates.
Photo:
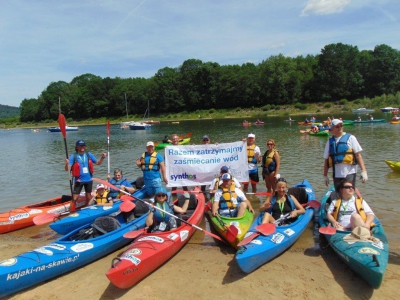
(362, 110)
(125, 125)
(389, 109)
(139, 126)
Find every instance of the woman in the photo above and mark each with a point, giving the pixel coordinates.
(281, 204)
(271, 163)
(120, 182)
(158, 220)
(348, 212)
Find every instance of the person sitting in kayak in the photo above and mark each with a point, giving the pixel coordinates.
(120, 182)
(102, 197)
(166, 140)
(314, 128)
(281, 204)
(158, 220)
(349, 211)
(229, 200)
(217, 182)
(306, 121)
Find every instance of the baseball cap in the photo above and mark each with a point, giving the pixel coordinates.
(336, 121)
(224, 169)
(251, 135)
(149, 144)
(100, 186)
(226, 176)
(205, 137)
(80, 143)
(161, 191)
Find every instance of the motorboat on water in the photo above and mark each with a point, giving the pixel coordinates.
(67, 128)
(139, 126)
(362, 110)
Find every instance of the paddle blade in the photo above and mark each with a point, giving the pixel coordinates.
(45, 218)
(312, 204)
(266, 228)
(232, 233)
(189, 134)
(133, 234)
(248, 239)
(208, 206)
(260, 194)
(127, 206)
(327, 230)
(126, 198)
(62, 123)
(108, 128)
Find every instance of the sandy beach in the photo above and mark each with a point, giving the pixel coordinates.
(206, 268)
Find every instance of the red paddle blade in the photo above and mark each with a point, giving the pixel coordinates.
(312, 204)
(108, 128)
(327, 230)
(232, 233)
(127, 206)
(133, 234)
(248, 239)
(126, 198)
(45, 218)
(62, 123)
(208, 206)
(189, 134)
(266, 228)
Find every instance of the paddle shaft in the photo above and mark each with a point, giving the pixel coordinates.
(108, 147)
(160, 209)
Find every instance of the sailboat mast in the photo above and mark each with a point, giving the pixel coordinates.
(126, 107)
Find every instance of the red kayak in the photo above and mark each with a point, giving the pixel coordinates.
(22, 217)
(150, 250)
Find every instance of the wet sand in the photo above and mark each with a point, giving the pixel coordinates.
(206, 269)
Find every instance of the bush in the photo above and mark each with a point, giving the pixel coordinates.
(343, 102)
(238, 109)
(266, 107)
(300, 106)
(212, 110)
(328, 105)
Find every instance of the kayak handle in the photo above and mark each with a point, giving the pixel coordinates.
(114, 260)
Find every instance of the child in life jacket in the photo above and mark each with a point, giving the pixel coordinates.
(102, 197)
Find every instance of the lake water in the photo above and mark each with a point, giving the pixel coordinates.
(32, 163)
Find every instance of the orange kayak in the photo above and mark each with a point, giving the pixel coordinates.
(22, 217)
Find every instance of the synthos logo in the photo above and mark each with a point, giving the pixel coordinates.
(183, 176)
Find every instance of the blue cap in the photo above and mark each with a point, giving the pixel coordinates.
(161, 190)
(226, 176)
(205, 137)
(224, 169)
(80, 143)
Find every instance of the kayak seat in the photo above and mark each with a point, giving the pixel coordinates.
(103, 225)
(299, 193)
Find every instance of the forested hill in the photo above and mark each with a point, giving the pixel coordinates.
(9, 111)
(339, 73)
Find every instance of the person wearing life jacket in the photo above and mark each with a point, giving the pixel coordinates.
(175, 142)
(314, 128)
(349, 211)
(217, 182)
(271, 163)
(253, 158)
(343, 153)
(153, 167)
(121, 183)
(281, 204)
(81, 166)
(102, 197)
(229, 200)
(157, 219)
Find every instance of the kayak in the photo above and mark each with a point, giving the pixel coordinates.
(264, 248)
(395, 122)
(394, 165)
(76, 249)
(369, 260)
(221, 223)
(319, 133)
(150, 250)
(307, 124)
(22, 217)
(160, 146)
(259, 122)
(369, 121)
(289, 120)
(89, 214)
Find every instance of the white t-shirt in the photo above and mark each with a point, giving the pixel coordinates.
(342, 170)
(253, 166)
(213, 187)
(347, 208)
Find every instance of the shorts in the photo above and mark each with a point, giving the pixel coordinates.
(254, 177)
(228, 212)
(349, 177)
(152, 186)
(79, 185)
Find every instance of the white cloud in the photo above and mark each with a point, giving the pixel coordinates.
(324, 7)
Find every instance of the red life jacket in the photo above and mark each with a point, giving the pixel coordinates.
(76, 167)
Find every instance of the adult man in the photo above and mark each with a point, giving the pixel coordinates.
(229, 200)
(254, 157)
(81, 165)
(175, 142)
(152, 163)
(344, 153)
(217, 182)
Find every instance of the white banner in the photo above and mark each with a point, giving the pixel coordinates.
(200, 164)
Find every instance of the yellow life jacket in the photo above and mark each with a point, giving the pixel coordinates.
(102, 199)
(151, 162)
(226, 199)
(359, 208)
(270, 157)
(250, 154)
(218, 183)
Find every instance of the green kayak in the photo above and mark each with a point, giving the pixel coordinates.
(160, 146)
(319, 133)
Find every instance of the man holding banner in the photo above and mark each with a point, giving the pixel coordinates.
(253, 158)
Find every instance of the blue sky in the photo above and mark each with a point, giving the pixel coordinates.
(47, 41)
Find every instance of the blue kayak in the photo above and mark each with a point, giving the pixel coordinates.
(88, 214)
(367, 259)
(76, 249)
(264, 248)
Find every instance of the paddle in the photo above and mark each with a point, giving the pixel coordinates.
(196, 192)
(108, 146)
(47, 218)
(134, 234)
(232, 231)
(160, 209)
(62, 123)
(329, 230)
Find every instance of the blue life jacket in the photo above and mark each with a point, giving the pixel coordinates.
(160, 216)
(340, 152)
(288, 198)
(113, 181)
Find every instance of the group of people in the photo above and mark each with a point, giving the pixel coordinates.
(342, 153)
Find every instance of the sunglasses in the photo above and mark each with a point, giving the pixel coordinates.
(348, 187)
(269, 144)
(281, 180)
(161, 195)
